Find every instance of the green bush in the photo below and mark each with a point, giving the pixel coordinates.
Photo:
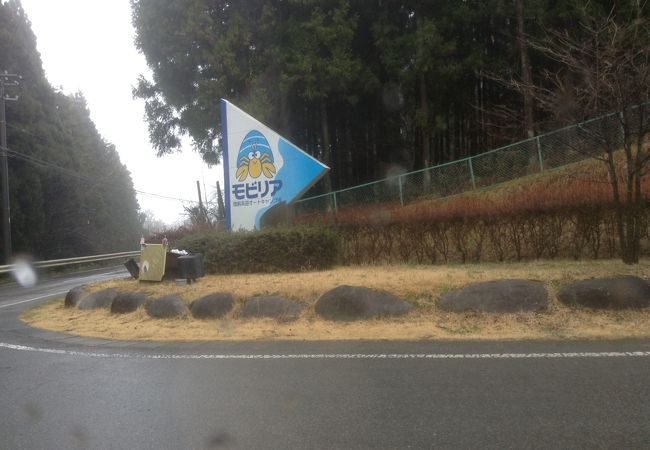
(271, 250)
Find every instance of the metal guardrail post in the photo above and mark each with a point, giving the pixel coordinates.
(71, 261)
(471, 172)
(401, 193)
(539, 153)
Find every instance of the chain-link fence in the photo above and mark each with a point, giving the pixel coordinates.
(547, 151)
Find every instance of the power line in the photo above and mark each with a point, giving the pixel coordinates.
(47, 164)
(74, 173)
(164, 196)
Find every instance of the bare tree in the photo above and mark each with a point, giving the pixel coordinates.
(198, 217)
(604, 68)
(151, 225)
(526, 71)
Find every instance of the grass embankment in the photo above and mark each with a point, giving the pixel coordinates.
(580, 183)
(420, 285)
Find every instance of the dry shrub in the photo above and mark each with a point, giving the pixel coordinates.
(568, 213)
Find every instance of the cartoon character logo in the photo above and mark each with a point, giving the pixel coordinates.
(255, 157)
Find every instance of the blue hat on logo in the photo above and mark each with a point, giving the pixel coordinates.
(254, 141)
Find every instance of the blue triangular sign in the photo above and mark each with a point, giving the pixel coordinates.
(261, 169)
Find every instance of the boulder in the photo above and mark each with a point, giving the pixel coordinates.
(500, 296)
(74, 296)
(166, 307)
(356, 303)
(127, 302)
(99, 299)
(607, 293)
(212, 306)
(272, 306)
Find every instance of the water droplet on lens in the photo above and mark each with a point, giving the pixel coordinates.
(24, 273)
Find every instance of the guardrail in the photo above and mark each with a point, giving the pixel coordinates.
(72, 261)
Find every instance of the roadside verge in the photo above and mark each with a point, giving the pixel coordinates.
(421, 286)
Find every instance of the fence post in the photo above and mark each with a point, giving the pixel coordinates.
(335, 205)
(471, 172)
(539, 153)
(401, 194)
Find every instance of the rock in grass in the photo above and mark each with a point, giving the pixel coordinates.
(607, 293)
(212, 306)
(357, 303)
(127, 302)
(74, 296)
(500, 296)
(272, 306)
(165, 307)
(100, 299)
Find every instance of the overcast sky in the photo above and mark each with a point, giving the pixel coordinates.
(87, 46)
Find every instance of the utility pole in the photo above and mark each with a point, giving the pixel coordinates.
(204, 215)
(5, 80)
(198, 188)
(221, 208)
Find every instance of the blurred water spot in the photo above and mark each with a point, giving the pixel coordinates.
(33, 412)
(220, 439)
(79, 437)
(226, 327)
(393, 171)
(293, 401)
(392, 97)
(24, 273)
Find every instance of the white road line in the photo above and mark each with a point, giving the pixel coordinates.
(51, 294)
(330, 355)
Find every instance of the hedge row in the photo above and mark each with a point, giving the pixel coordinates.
(273, 250)
(581, 233)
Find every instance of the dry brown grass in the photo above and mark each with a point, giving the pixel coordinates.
(576, 185)
(420, 285)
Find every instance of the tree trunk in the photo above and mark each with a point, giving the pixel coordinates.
(638, 174)
(627, 225)
(632, 200)
(350, 162)
(327, 152)
(425, 149)
(618, 206)
(285, 118)
(526, 73)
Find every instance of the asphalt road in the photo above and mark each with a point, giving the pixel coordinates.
(59, 391)
(13, 294)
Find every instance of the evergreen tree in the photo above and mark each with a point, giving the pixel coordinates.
(70, 194)
(362, 85)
